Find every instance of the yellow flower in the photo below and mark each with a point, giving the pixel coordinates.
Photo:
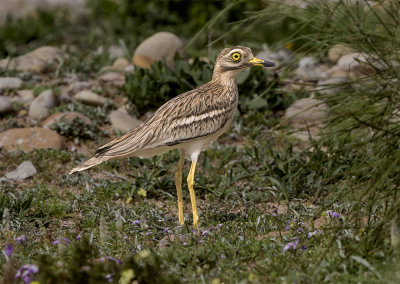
(215, 281)
(142, 192)
(35, 282)
(252, 277)
(126, 276)
(129, 200)
(144, 253)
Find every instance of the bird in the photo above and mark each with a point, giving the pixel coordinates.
(189, 122)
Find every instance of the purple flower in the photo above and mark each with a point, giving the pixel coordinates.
(291, 245)
(219, 225)
(333, 214)
(165, 231)
(310, 234)
(56, 242)
(67, 241)
(287, 228)
(136, 222)
(118, 261)
(102, 259)
(110, 258)
(303, 248)
(109, 278)
(204, 233)
(9, 250)
(149, 233)
(78, 237)
(20, 239)
(201, 241)
(26, 272)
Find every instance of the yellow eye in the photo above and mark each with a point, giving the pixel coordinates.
(236, 56)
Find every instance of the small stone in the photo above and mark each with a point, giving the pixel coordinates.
(123, 121)
(67, 116)
(23, 97)
(115, 51)
(160, 46)
(40, 60)
(113, 78)
(10, 83)
(5, 105)
(90, 98)
(29, 139)
(357, 63)
(309, 70)
(78, 86)
(331, 85)
(308, 110)
(337, 51)
(23, 171)
(41, 105)
(129, 69)
(120, 63)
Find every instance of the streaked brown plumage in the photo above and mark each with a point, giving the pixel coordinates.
(189, 122)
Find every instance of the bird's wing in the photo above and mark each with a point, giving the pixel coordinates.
(191, 115)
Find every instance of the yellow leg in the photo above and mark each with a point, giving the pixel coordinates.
(178, 184)
(190, 181)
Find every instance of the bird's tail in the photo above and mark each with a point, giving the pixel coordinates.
(89, 163)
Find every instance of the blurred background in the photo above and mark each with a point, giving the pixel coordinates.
(303, 188)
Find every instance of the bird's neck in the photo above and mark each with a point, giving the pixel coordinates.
(225, 78)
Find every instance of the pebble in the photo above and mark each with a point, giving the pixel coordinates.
(5, 105)
(29, 139)
(331, 85)
(309, 110)
(113, 78)
(123, 121)
(10, 83)
(337, 51)
(160, 46)
(23, 171)
(120, 63)
(309, 70)
(356, 63)
(41, 105)
(67, 116)
(40, 60)
(90, 98)
(24, 97)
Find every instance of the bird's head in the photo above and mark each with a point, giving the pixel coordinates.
(232, 60)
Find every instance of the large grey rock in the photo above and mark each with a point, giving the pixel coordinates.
(10, 83)
(29, 139)
(23, 97)
(40, 106)
(5, 105)
(40, 60)
(123, 121)
(23, 171)
(90, 98)
(65, 116)
(161, 45)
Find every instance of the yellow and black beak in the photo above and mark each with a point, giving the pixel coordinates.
(259, 62)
